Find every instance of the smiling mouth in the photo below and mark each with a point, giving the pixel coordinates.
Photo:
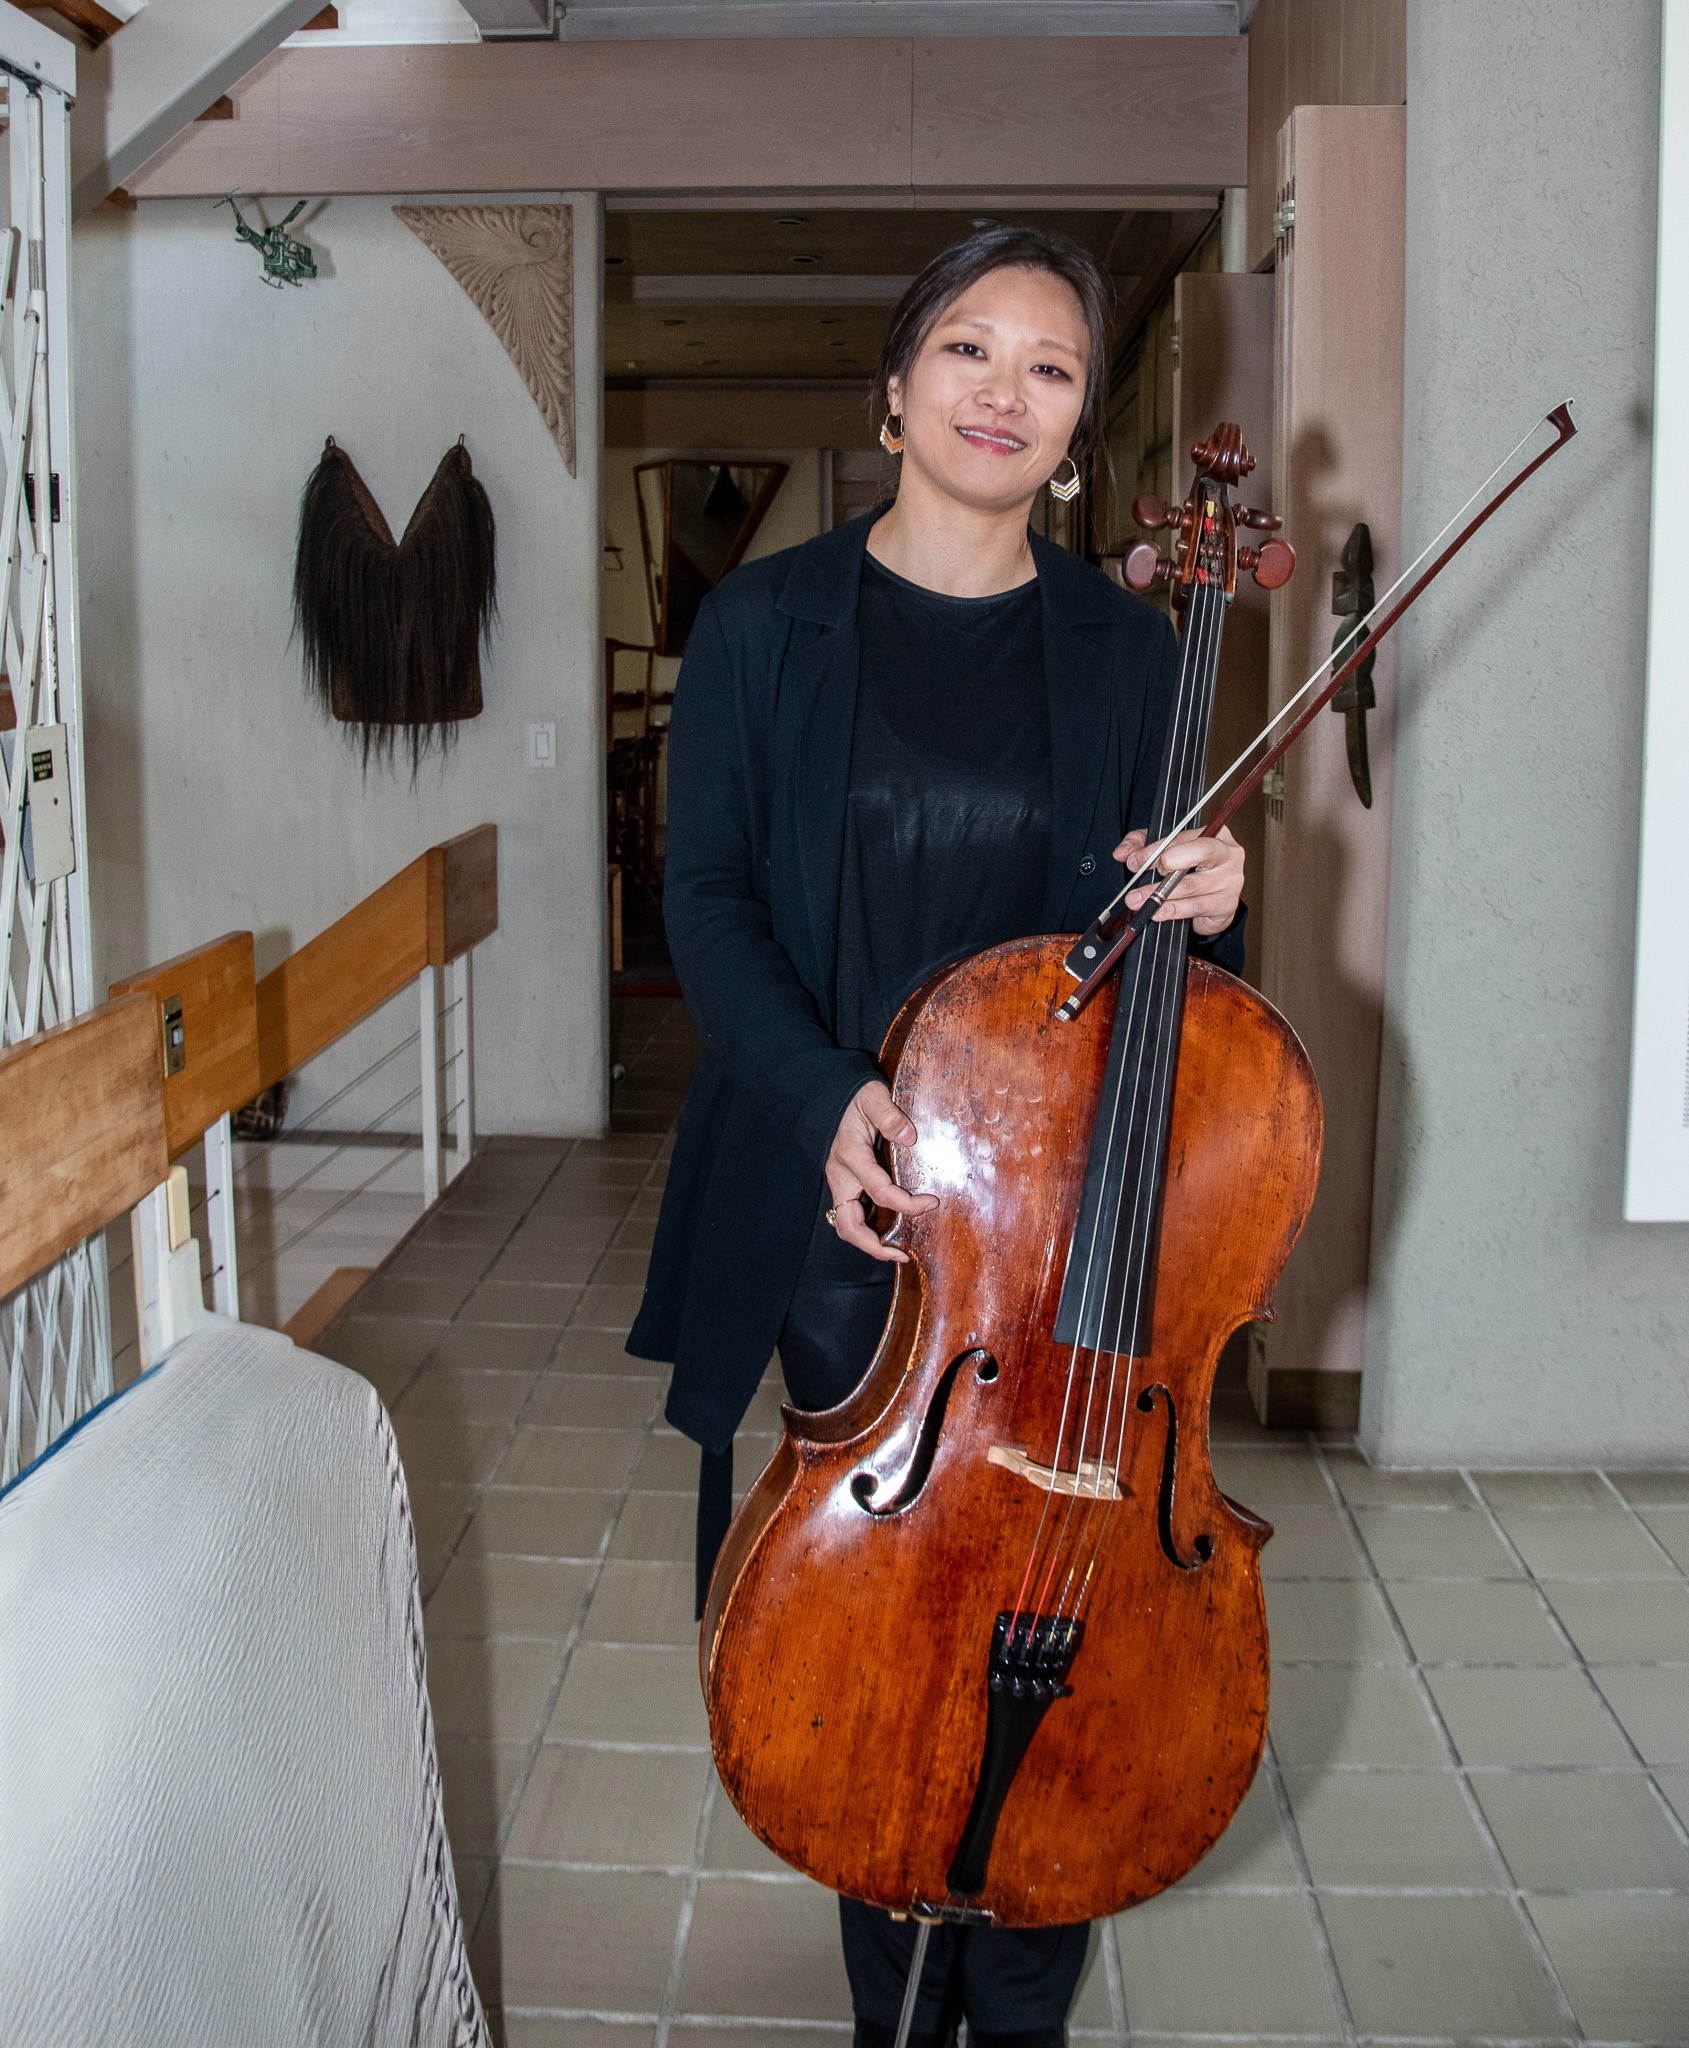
(998, 444)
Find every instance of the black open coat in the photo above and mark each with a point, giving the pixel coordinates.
(759, 768)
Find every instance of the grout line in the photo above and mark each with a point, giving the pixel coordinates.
(1309, 1892)
(1428, 1700)
(1667, 1810)
(1119, 2011)
(507, 1819)
(683, 1923)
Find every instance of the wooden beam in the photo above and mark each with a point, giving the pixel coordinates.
(96, 23)
(462, 893)
(83, 1112)
(880, 117)
(442, 904)
(322, 990)
(721, 421)
(313, 1316)
(215, 987)
(1063, 112)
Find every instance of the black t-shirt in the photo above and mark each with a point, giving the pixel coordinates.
(947, 822)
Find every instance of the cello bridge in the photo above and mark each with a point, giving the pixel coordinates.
(1091, 1479)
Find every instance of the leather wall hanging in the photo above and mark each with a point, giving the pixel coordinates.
(392, 631)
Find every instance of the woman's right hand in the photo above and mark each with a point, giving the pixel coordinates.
(853, 1171)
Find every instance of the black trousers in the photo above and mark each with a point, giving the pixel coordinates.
(1004, 1981)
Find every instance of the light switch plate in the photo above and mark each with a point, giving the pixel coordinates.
(542, 746)
(52, 844)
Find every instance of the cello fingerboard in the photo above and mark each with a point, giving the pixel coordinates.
(1108, 1292)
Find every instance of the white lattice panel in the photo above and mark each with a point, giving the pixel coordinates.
(55, 1333)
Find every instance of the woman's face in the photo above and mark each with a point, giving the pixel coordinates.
(994, 394)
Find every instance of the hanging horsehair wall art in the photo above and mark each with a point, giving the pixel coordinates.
(392, 631)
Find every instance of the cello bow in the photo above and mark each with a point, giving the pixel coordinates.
(1101, 947)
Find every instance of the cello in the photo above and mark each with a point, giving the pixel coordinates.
(986, 1642)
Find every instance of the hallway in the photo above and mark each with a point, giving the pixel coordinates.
(1473, 1820)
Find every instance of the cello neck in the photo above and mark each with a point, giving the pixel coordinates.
(1108, 1292)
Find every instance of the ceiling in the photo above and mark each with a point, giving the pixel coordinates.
(595, 20)
(806, 296)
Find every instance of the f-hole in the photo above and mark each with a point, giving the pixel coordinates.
(1204, 1544)
(865, 1485)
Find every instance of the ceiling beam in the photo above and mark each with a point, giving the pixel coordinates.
(173, 59)
(643, 20)
(884, 120)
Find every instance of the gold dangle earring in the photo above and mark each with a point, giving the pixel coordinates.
(1068, 489)
(890, 442)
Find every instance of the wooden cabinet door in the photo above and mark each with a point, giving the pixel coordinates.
(1337, 461)
(1223, 370)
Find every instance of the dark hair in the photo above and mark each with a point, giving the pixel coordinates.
(953, 270)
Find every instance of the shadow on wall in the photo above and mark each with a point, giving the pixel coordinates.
(1351, 1020)
(109, 597)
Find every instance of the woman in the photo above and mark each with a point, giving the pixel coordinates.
(910, 739)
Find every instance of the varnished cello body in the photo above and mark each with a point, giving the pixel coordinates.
(965, 1654)
(850, 1617)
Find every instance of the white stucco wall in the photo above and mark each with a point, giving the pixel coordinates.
(218, 796)
(1516, 1318)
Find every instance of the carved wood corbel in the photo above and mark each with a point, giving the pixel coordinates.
(517, 265)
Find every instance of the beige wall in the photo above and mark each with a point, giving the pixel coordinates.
(1314, 53)
(218, 796)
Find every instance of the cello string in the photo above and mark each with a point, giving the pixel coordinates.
(1205, 629)
(1179, 739)
(1184, 751)
(1151, 1162)
(1261, 739)
(1171, 957)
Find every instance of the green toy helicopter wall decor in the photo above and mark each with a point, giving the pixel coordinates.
(286, 261)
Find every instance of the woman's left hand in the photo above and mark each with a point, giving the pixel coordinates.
(1213, 869)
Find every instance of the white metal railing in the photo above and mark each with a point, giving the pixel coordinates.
(260, 1209)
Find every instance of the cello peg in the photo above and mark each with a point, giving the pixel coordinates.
(1152, 511)
(1272, 564)
(1140, 566)
(1263, 522)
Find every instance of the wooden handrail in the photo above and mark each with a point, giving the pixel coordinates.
(207, 1003)
(440, 906)
(82, 1107)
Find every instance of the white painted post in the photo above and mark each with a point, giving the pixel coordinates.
(220, 1217)
(428, 990)
(169, 1299)
(463, 1067)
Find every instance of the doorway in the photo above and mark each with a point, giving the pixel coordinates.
(740, 339)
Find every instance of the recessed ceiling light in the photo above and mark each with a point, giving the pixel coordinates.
(806, 259)
(791, 220)
(633, 366)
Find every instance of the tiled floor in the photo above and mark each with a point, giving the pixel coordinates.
(1471, 1823)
